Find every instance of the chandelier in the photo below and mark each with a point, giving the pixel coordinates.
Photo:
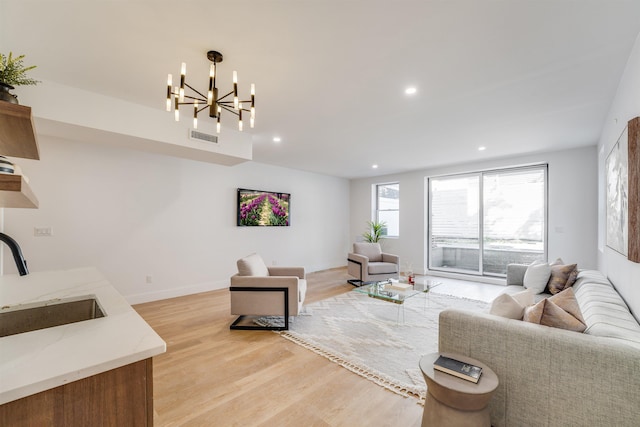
(176, 96)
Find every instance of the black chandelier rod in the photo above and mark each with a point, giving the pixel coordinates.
(205, 100)
(190, 97)
(230, 110)
(196, 91)
(221, 98)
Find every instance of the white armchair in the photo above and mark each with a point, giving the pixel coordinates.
(368, 263)
(258, 290)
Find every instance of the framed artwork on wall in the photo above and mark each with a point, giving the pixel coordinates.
(622, 170)
(634, 189)
(617, 201)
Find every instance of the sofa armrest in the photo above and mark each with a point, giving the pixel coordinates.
(357, 265)
(515, 274)
(265, 303)
(287, 271)
(265, 282)
(394, 259)
(357, 258)
(536, 365)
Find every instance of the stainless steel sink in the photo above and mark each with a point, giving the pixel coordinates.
(52, 313)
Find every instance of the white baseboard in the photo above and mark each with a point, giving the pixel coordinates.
(176, 292)
(468, 277)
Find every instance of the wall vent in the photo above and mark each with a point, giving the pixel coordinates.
(201, 136)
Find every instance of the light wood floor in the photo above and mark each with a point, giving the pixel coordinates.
(212, 376)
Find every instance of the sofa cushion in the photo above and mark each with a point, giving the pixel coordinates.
(252, 265)
(605, 312)
(562, 276)
(537, 276)
(590, 276)
(373, 251)
(512, 306)
(559, 311)
(382, 268)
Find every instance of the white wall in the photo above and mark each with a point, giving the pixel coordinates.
(134, 214)
(572, 205)
(623, 273)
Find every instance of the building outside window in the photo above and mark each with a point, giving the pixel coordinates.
(480, 222)
(387, 203)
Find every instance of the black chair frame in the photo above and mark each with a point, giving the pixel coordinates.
(285, 291)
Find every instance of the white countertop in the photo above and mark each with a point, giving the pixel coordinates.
(40, 360)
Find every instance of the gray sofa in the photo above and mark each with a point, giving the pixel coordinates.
(555, 377)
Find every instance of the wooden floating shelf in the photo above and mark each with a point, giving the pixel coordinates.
(17, 134)
(16, 193)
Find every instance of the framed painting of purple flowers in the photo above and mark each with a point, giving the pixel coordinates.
(262, 208)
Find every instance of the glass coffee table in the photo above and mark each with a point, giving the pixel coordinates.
(380, 290)
(385, 291)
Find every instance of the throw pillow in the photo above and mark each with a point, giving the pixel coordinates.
(562, 276)
(537, 276)
(559, 311)
(511, 306)
(252, 265)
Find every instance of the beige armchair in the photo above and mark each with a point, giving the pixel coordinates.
(258, 290)
(368, 263)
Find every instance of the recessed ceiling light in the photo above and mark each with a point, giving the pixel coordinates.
(374, 166)
(410, 90)
(482, 148)
(276, 139)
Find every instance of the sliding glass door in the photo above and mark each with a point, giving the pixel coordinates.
(480, 222)
(455, 223)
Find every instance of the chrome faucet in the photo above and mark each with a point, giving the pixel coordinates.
(17, 254)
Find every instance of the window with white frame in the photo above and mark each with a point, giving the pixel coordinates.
(387, 202)
(480, 222)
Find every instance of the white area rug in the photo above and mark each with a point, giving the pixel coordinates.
(363, 335)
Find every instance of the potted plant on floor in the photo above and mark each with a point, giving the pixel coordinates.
(13, 73)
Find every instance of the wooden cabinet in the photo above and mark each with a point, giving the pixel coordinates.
(17, 139)
(16, 193)
(17, 134)
(119, 397)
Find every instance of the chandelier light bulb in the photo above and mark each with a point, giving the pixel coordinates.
(169, 83)
(177, 115)
(235, 90)
(183, 73)
(253, 104)
(195, 114)
(212, 76)
(218, 119)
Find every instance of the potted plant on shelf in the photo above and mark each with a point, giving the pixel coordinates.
(13, 73)
(377, 230)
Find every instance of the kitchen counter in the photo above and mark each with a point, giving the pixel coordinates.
(40, 360)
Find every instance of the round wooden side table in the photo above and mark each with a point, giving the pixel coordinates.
(452, 401)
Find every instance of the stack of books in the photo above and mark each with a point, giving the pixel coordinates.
(397, 286)
(466, 371)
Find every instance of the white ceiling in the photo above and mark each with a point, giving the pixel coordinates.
(516, 76)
